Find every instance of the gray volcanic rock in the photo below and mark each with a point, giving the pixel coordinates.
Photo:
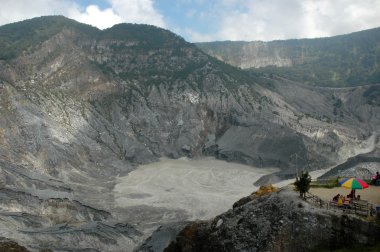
(100, 102)
(280, 221)
(162, 237)
(362, 166)
(252, 54)
(9, 245)
(80, 107)
(61, 224)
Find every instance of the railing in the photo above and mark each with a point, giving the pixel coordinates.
(315, 199)
(359, 207)
(367, 178)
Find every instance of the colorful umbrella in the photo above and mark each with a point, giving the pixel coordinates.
(353, 183)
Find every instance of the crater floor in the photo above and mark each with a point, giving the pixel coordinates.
(201, 188)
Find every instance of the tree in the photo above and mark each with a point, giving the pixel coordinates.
(303, 183)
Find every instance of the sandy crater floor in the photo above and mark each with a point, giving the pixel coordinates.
(203, 188)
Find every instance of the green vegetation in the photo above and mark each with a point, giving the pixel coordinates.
(141, 53)
(337, 106)
(154, 56)
(346, 60)
(372, 95)
(23, 37)
(331, 183)
(146, 36)
(302, 183)
(338, 103)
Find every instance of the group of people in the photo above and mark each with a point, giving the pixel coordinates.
(341, 200)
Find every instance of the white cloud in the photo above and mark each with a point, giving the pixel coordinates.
(96, 17)
(217, 19)
(284, 19)
(138, 11)
(129, 11)
(12, 11)
(196, 36)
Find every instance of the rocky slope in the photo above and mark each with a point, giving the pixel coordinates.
(279, 221)
(80, 106)
(340, 61)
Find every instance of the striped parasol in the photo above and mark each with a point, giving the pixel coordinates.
(353, 183)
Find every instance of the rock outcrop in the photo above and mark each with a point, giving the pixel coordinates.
(9, 245)
(278, 221)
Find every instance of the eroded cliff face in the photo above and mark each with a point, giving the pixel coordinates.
(279, 221)
(339, 61)
(134, 98)
(84, 106)
(253, 54)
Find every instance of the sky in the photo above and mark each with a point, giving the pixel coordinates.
(211, 20)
